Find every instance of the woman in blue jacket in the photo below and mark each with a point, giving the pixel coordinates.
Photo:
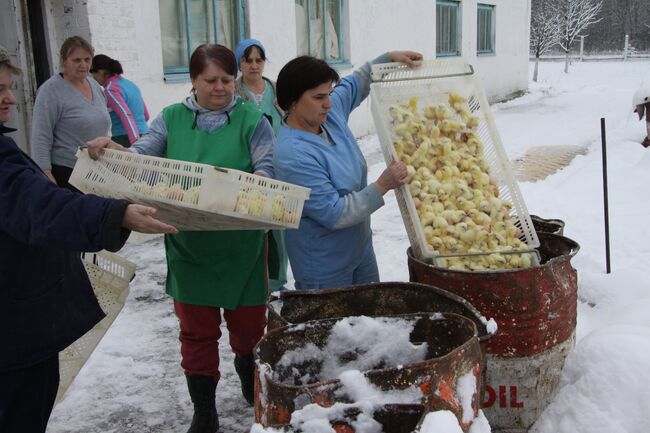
(47, 299)
(316, 148)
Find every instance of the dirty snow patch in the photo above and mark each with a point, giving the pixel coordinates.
(357, 343)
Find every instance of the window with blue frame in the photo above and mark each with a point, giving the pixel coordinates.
(485, 29)
(448, 27)
(186, 24)
(320, 29)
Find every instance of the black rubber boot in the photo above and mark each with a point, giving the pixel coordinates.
(202, 390)
(245, 367)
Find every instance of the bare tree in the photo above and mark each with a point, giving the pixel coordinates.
(575, 17)
(545, 29)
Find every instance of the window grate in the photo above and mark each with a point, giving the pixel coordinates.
(320, 30)
(186, 24)
(485, 29)
(448, 27)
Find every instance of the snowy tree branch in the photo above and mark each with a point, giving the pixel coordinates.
(575, 17)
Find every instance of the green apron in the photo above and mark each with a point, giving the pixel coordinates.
(215, 268)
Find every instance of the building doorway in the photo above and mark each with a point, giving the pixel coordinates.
(24, 34)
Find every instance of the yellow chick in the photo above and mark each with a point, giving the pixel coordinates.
(455, 97)
(448, 126)
(174, 192)
(410, 170)
(438, 207)
(192, 195)
(415, 187)
(425, 173)
(473, 122)
(479, 217)
(439, 222)
(452, 216)
(413, 104)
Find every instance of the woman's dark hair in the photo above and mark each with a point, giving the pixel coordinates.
(299, 75)
(212, 53)
(247, 53)
(103, 62)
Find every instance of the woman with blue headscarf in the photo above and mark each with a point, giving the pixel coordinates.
(253, 86)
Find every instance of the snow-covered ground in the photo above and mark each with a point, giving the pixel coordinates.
(133, 381)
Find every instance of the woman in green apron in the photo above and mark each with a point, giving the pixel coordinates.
(210, 271)
(253, 86)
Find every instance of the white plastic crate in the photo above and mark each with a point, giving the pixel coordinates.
(432, 82)
(109, 275)
(192, 196)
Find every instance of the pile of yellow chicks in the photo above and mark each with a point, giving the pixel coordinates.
(252, 202)
(279, 211)
(174, 192)
(249, 201)
(457, 202)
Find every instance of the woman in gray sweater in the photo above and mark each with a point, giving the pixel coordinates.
(70, 110)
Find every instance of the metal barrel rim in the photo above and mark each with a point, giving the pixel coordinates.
(483, 336)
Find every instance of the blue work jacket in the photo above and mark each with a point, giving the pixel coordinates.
(318, 251)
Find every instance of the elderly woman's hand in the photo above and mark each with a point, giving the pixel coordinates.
(393, 177)
(97, 145)
(410, 58)
(141, 219)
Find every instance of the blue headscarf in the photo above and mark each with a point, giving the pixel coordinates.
(243, 45)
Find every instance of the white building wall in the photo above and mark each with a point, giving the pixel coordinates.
(130, 32)
(377, 26)
(274, 24)
(66, 18)
(126, 30)
(506, 72)
(157, 93)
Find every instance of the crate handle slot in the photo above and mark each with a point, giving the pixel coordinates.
(381, 78)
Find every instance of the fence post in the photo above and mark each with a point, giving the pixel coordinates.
(627, 47)
(603, 139)
(582, 48)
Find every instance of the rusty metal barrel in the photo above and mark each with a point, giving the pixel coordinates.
(535, 309)
(453, 354)
(377, 299)
(554, 226)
